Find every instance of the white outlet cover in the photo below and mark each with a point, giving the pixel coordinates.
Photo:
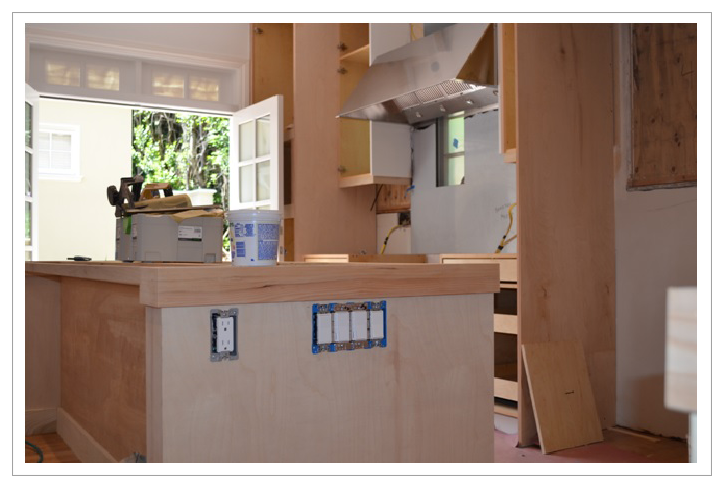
(225, 334)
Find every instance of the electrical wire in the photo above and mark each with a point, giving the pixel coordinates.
(36, 449)
(504, 240)
(379, 188)
(384, 246)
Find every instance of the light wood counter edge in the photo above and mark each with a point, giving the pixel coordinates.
(172, 285)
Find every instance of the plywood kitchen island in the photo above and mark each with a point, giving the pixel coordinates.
(118, 361)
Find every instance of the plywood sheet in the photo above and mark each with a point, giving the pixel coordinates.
(565, 190)
(427, 397)
(562, 397)
(664, 104)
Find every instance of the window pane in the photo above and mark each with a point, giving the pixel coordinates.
(247, 137)
(28, 255)
(28, 224)
(204, 88)
(28, 125)
(168, 85)
(61, 161)
(455, 135)
(59, 73)
(28, 174)
(455, 170)
(44, 159)
(61, 142)
(246, 183)
(43, 141)
(263, 180)
(263, 136)
(103, 78)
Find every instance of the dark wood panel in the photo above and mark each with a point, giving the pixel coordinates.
(664, 105)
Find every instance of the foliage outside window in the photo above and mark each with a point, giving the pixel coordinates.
(188, 151)
(450, 150)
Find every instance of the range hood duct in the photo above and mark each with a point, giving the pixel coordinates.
(452, 70)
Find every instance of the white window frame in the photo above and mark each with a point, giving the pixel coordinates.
(72, 174)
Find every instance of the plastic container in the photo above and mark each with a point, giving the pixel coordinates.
(255, 236)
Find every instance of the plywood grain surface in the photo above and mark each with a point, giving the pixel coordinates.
(426, 397)
(664, 104)
(565, 193)
(103, 363)
(562, 397)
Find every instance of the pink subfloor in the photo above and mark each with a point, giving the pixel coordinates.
(505, 451)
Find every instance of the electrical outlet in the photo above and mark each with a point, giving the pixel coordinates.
(404, 218)
(223, 334)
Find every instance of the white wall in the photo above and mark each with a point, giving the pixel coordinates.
(656, 243)
(469, 218)
(75, 217)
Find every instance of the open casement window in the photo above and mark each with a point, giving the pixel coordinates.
(32, 111)
(256, 156)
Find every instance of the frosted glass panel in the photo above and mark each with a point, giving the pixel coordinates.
(59, 73)
(247, 141)
(103, 77)
(263, 180)
(263, 136)
(246, 177)
(168, 85)
(204, 88)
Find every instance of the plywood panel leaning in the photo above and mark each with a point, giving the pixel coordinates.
(562, 398)
(664, 105)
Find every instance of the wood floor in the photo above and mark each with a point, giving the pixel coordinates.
(618, 446)
(53, 448)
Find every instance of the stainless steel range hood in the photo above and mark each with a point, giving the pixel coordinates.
(450, 71)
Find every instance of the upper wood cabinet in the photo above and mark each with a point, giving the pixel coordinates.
(370, 152)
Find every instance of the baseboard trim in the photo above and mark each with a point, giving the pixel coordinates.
(40, 421)
(82, 444)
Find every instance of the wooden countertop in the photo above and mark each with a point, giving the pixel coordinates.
(188, 284)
